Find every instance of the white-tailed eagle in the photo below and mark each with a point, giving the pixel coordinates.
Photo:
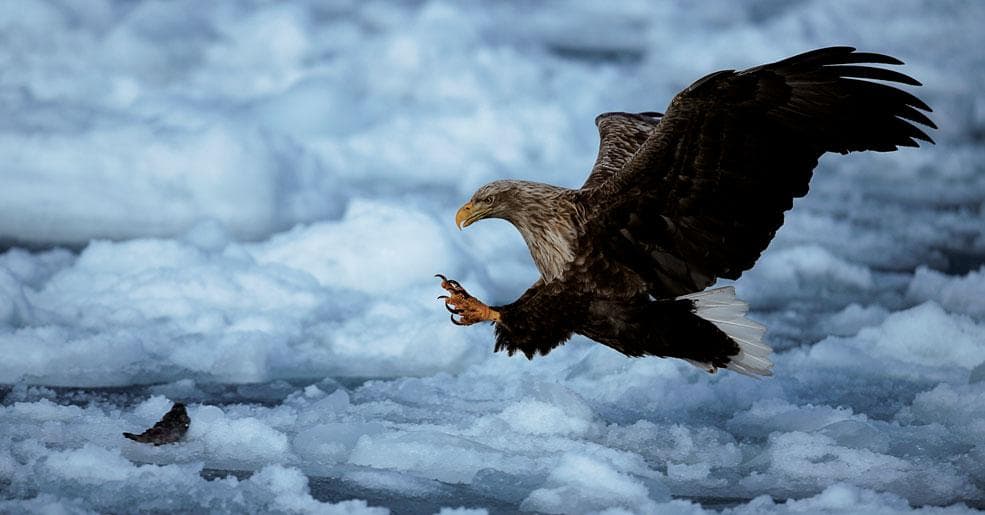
(677, 200)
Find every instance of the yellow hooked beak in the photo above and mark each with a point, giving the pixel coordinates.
(468, 214)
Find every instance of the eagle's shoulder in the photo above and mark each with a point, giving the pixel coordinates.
(620, 136)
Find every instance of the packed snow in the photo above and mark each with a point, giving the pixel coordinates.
(241, 207)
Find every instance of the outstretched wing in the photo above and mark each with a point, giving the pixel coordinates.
(705, 193)
(620, 136)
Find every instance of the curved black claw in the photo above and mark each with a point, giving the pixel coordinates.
(452, 285)
(449, 308)
(456, 322)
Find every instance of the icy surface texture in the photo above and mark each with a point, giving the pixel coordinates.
(240, 206)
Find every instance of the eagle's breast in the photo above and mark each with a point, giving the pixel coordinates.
(552, 251)
(551, 234)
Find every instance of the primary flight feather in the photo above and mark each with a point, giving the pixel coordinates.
(677, 200)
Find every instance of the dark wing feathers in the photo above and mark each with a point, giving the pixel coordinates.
(868, 72)
(533, 323)
(620, 135)
(705, 193)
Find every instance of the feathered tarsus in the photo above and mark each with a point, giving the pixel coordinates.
(677, 200)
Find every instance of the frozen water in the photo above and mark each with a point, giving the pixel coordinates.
(240, 206)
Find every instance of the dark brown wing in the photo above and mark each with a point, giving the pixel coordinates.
(706, 192)
(620, 136)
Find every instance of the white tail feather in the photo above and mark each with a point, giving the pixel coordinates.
(720, 307)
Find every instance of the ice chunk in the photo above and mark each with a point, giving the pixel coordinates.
(463, 511)
(537, 417)
(232, 442)
(582, 484)
(797, 463)
(332, 442)
(843, 498)
(960, 407)
(803, 271)
(376, 248)
(127, 179)
(956, 294)
(927, 335)
(853, 318)
(90, 464)
(283, 489)
(434, 454)
(769, 415)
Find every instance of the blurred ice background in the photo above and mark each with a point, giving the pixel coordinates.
(240, 206)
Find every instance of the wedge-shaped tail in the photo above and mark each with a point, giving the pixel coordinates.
(720, 307)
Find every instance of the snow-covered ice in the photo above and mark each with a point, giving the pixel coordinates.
(241, 206)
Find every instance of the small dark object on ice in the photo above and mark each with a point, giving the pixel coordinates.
(169, 429)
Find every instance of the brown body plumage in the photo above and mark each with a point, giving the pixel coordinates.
(676, 201)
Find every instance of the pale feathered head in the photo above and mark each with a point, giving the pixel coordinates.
(510, 200)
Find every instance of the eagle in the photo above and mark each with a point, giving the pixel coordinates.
(677, 200)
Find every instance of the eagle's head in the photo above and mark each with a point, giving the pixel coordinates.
(541, 212)
(507, 199)
(494, 200)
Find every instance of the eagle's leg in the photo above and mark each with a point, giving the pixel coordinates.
(469, 309)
